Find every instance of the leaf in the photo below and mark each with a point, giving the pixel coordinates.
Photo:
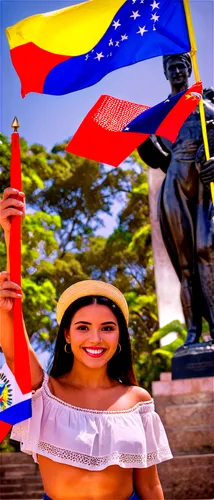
(174, 326)
(162, 352)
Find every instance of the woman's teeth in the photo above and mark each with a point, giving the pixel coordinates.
(94, 351)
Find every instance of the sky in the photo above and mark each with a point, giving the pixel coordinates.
(52, 119)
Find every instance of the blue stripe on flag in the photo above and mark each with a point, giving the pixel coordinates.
(17, 413)
(149, 121)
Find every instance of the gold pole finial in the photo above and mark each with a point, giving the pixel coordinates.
(15, 124)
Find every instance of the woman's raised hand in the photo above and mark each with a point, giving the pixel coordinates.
(8, 292)
(10, 206)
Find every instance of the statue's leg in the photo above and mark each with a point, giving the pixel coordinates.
(205, 255)
(177, 217)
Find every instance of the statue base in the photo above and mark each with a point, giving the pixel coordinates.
(186, 408)
(194, 360)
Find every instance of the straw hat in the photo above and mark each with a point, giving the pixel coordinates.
(91, 287)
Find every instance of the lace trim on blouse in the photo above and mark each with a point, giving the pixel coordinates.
(122, 459)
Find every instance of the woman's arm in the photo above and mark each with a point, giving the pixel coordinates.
(146, 480)
(10, 207)
(147, 484)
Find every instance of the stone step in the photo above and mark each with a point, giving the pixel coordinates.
(15, 474)
(27, 465)
(195, 439)
(26, 486)
(183, 477)
(19, 470)
(11, 458)
(19, 495)
(189, 414)
(30, 478)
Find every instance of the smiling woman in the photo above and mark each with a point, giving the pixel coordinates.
(93, 321)
(93, 431)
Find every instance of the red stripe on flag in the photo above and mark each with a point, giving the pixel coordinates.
(4, 429)
(21, 355)
(32, 65)
(184, 107)
(100, 137)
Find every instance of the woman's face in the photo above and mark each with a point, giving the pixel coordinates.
(93, 335)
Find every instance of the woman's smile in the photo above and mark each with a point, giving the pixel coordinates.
(94, 352)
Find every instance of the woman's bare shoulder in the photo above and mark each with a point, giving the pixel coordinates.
(140, 395)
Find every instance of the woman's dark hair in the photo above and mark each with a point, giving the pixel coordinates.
(119, 366)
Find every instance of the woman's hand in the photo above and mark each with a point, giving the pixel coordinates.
(10, 206)
(8, 292)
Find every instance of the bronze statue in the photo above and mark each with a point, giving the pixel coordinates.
(185, 203)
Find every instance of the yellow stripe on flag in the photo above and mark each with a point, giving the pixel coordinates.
(71, 31)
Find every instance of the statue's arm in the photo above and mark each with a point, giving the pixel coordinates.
(154, 153)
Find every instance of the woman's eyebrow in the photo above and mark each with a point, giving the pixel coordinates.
(109, 322)
(87, 323)
(83, 322)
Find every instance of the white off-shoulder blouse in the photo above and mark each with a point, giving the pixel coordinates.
(92, 439)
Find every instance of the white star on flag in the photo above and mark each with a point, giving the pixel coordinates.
(141, 1)
(124, 37)
(154, 17)
(117, 44)
(135, 14)
(111, 42)
(154, 5)
(142, 30)
(99, 56)
(116, 24)
(127, 128)
(87, 57)
(134, 1)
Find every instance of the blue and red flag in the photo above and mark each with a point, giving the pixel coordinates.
(166, 119)
(73, 48)
(113, 128)
(15, 388)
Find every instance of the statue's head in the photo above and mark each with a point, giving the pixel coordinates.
(177, 69)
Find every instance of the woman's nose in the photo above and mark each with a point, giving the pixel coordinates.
(96, 335)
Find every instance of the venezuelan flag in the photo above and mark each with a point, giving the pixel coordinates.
(73, 48)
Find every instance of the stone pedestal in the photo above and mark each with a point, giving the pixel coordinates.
(194, 360)
(186, 408)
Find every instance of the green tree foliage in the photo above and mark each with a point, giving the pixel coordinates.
(67, 197)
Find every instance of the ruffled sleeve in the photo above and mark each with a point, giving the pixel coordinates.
(157, 445)
(27, 432)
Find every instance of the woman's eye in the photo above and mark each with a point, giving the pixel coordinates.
(82, 327)
(108, 328)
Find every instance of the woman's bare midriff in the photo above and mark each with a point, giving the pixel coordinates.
(65, 482)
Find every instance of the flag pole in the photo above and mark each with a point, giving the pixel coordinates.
(197, 78)
(21, 355)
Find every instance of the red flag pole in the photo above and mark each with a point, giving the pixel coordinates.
(21, 354)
